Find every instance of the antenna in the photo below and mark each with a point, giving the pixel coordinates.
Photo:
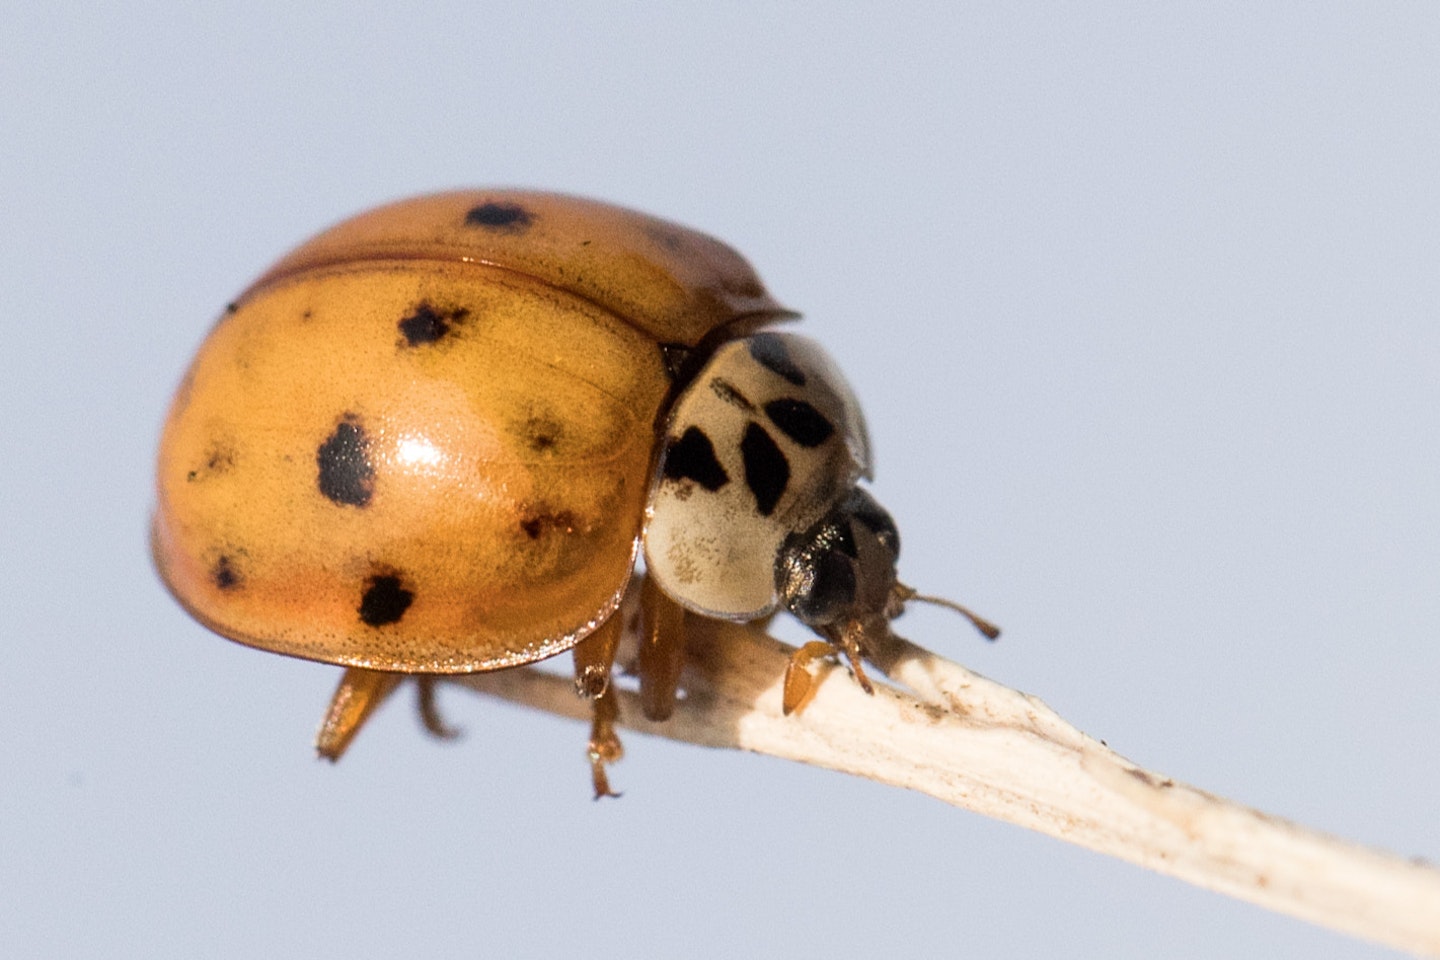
(906, 594)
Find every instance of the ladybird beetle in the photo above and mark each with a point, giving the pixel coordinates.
(436, 438)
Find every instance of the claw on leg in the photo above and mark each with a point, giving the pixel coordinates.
(359, 693)
(605, 745)
(430, 711)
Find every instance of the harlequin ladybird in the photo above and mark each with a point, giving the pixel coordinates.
(435, 439)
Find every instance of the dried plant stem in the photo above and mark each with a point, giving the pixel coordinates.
(973, 743)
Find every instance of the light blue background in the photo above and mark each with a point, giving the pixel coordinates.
(1142, 301)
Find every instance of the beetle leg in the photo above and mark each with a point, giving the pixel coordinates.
(850, 638)
(425, 686)
(594, 658)
(662, 651)
(359, 693)
(799, 685)
(605, 745)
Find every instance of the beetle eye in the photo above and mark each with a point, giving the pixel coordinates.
(868, 511)
(815, 574)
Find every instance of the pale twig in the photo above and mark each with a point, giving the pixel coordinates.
(973, 743)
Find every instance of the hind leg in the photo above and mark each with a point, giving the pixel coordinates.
(594, 660)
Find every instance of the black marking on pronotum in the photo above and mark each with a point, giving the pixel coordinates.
(767, 472)
(692, 457)
(800, 421)
(345, 474)
(426, 324)
(500, 217)
(770, 352)
(224, 574)
(385, 600)
(731, 394)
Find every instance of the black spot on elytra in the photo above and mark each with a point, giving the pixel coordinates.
(800, 421)
(224, 574)
(542, 433)
(385, 600)
(232, 307)
(731, 394)
(767, 472)
(219, 459)
(692, 457)
(501, 217)
(346, 475)
(770, 352)
(427, 325)
(537, 523)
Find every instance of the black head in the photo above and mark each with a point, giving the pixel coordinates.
(842, 569)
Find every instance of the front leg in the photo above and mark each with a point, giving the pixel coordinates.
(662, 651)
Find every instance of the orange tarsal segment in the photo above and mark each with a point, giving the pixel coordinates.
(799, 685)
